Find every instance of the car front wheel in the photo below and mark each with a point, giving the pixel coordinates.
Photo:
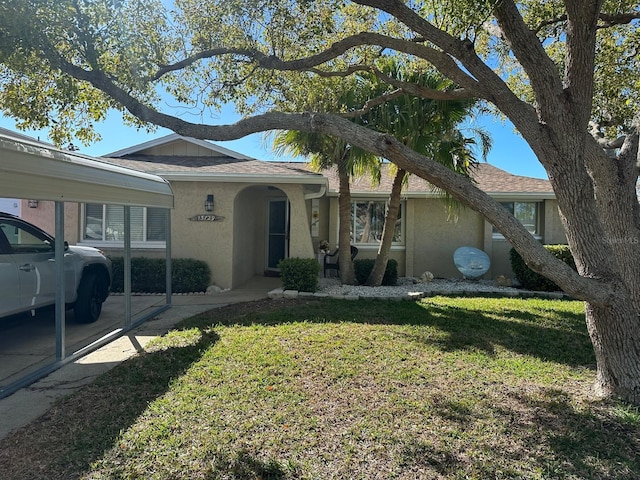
(89, 303)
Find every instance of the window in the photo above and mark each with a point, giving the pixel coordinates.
(526, 212)
(22, 239)
(367, 222)
(105, 223)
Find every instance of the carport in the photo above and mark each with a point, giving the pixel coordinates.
(33, 170)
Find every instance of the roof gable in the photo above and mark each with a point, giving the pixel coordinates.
(177, 145)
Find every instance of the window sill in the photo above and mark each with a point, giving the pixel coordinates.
(500, 237)
(371, 246)
(120, 245)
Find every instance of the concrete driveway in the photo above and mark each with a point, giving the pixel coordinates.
(27, 342)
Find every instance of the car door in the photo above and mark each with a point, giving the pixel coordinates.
(33, 255)
(10, 299)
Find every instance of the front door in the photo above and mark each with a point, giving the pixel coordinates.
(277, 232)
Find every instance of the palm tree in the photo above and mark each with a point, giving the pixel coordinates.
(431, 128)
(325, 152)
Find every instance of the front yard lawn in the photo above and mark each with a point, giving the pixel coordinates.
(455, 388)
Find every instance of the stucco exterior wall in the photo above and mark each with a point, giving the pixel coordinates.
(207, 241)
(235, 246)
(300, 244)
(44, 216)
(249, 219)
(324, 216)
(435, 237)
(430, 237)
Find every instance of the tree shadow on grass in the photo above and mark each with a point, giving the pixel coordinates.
(512, 330)
(559, 337)
(245, 466)
(546, 433)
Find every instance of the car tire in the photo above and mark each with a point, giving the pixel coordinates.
(89, 303)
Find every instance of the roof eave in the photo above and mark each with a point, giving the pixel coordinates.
(529, 196)
(242, 178)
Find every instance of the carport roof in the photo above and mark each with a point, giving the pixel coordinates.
(39, 171)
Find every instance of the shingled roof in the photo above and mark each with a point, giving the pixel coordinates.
(488, 178)
(221, 168)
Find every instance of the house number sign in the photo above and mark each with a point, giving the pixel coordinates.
(206, 218)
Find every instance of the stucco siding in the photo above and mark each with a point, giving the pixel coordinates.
(211, 242)
(44, 216)
(435, 237)
(248, 232)
(323, 222)
(300, 244)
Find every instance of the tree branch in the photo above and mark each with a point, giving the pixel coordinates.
(374, 102)
(611, 20)
(425, 92)
(439, 59)
(526, 46)
(605, 20)
(596, 132)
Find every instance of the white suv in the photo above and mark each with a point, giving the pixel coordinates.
(27, 272)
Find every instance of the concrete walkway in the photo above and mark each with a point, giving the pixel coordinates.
(29, 403)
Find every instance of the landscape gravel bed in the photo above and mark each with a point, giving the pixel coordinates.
(408, 288)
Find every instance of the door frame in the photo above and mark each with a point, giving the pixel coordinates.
(268, 233)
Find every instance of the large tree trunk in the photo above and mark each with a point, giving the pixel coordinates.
(347, 274)
(610, 250)
(615, 333)
(388, 231)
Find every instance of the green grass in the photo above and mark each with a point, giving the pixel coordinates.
(443, 388)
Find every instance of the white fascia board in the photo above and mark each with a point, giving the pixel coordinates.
(526, 196)
(515, 196)
(33, 170)
(173, 137)
(242, 178)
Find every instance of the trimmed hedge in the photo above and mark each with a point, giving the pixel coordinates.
(299, 274)
(148, 275)
(534, 281)
(364, 266)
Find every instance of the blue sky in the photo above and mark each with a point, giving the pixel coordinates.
(510, 152)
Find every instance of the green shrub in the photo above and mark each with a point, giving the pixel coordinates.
(299, 274)
(364, 266)
(148, 275)
(534, 281)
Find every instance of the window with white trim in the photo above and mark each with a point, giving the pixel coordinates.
(367, 222)
(105, 223)
(527, 213)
